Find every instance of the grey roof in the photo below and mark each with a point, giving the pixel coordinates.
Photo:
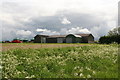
(57, 36)
(74, 35)
(77, 36)
(63, 36)
(42, 36)
(84, 34)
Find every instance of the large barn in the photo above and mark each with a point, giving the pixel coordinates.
(70, 38)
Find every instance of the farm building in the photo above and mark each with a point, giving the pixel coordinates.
(71, 38)
(56, 39)
(87, 38)
(40, 38)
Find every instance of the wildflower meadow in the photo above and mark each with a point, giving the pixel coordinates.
(91, 61)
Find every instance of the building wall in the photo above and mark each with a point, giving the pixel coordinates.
(43, 40)
(40, 39)
(37, 40)
(73, 39)
(84, 40)
(60, 40)
(78, 40)
(90, 39)
(68, 40)
(51, 40)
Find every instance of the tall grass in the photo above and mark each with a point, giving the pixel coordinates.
(95, 61)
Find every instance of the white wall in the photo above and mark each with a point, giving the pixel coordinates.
(60, 40)
(68, 40)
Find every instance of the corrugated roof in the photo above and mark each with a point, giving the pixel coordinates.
(57, 36)
(62, 36)
(83, 34)
(42, 35)
(77, 36)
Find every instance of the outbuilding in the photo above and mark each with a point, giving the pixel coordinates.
(71, 38)
(87, 38)
(40, 38)
(56, 39)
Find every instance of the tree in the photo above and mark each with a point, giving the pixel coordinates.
(113, 36)
(115, 31)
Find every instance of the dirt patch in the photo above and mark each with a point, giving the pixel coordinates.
(9, 46)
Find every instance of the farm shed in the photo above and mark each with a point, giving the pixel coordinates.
(87, 38)
(56, 39)
(40, 39)
(73, 38)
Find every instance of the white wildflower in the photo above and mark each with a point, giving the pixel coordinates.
(81, 74)
(81, 70)
(18, 72)
(88, 76)
(32, 76)
(77, 67)
(76, 74)
(0, 67)
(88, 68)
(27, 77)
(94, 72)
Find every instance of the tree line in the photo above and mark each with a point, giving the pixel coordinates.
(112, 37)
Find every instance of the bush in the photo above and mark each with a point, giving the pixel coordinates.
(109, 39)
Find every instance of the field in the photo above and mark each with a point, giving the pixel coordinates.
(59, 61)
(9, 46)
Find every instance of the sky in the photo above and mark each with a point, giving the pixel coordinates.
(26, 18)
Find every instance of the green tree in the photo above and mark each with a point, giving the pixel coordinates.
(115, 31)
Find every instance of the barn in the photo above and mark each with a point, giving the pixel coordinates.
(70, 38)
(40, 38)
(87, 38)
(56, 39)
(73, 38)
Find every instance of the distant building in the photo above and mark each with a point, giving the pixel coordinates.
(56, 39)
(40, 38)
(73, 38)
(87, 38)
(70, 38)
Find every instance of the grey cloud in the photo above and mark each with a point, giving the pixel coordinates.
(93, 23)
(26, 15)
(89, 21)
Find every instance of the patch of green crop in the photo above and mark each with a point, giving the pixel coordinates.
(94, 61)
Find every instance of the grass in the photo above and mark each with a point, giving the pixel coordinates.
(9, 46)
(94, 61)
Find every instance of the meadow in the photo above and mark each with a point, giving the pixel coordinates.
(73, 61)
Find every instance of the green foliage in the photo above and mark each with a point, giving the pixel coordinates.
(115, 31)
(94, 61)
(110, 39)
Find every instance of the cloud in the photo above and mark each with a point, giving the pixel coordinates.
(41, 30)
(94, 16)
(84, 31)
(65, 21)
(76, 30)
(47, 32)
(24, 33)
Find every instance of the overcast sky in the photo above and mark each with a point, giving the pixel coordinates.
(26, 18)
